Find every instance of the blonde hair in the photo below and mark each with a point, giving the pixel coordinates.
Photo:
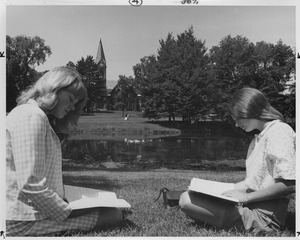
(45, 90)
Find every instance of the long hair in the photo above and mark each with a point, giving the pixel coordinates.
(250, 103)
(45, 90)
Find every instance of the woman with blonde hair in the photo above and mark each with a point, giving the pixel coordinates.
(35, 202)
(265, 192)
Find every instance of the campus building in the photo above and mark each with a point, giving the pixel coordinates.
(107, 98)
(101, 63)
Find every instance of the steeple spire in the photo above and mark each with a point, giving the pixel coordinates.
(100, 58)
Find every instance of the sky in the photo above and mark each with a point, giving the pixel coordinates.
(131, 33)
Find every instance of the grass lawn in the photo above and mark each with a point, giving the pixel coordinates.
(140, 189)
(112, 125)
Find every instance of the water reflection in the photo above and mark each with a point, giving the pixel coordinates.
(160, 152)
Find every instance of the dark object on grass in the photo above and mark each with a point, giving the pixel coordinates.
(170, 198)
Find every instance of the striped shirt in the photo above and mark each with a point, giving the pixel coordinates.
(33, 167)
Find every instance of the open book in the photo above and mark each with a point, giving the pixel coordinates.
(212, 188)
(80, 198)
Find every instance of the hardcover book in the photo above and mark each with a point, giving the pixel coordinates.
(212, 188)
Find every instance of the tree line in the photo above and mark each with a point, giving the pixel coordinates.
(183, 79)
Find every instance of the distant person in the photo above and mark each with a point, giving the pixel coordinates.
(35, 201)
(126, 117)
(270, 170)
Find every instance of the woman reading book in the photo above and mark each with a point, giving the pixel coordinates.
(35, 195)
(270, 172)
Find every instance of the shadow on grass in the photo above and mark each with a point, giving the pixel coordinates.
(98, 182)
(206, 128)
(218, 166)
(201, 126)
(127, 225)
(76, 167)
(71, 167)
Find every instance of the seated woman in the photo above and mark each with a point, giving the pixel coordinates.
(270, 172)
(35, 201)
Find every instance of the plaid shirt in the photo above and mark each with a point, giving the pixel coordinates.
(33, 167)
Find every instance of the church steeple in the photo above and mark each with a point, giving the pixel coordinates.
(100, 58)
(101, 82)
(101, 62)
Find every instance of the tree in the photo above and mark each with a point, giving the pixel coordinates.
(232, 67)
(238, 63)
(275, 64)
(145, 74)
(90, 74)
(192, 75)
(173, 82)
(183, 80)
(23, 53)
(283, 65)
(125, 96)
(276, 68)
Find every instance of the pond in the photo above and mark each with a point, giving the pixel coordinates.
(176, 152)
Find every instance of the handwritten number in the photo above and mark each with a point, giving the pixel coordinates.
(136, 3)
(189, 2)
(2, 54)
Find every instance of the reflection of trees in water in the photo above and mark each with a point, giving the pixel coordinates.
(83, 150)
(159, 152)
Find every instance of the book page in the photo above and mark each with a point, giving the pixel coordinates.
(103, 200)
(80, 198)
(74, 193)
(212, 188)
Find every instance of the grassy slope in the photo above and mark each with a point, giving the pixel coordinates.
(113, 125)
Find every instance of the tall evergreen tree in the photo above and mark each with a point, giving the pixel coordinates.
(176, 86)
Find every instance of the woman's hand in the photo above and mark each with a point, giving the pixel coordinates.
(280, 188)
(241, 196)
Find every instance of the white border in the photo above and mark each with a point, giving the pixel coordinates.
(2, 116)
(156, 2)
(297, 119)
(3, 5)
